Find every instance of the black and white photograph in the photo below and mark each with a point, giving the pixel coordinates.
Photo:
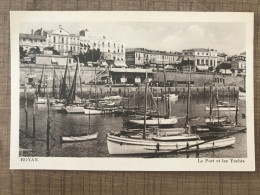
(137, 91)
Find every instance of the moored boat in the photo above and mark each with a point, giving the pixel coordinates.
(222, 106)
(123, 145)
(79, 138)
(156, 121)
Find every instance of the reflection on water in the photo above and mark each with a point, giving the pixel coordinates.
(68, 124)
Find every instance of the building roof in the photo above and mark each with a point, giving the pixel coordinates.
(131, 70)
(53, 56)
(148, 51)
(30, 36)
(200, 49)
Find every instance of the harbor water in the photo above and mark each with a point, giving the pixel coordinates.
(63, 124)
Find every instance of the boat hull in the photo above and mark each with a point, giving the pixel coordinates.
(75, 109)
(216, 120)
(156, 122)
(220, 108)
(124, 146)
(41, 100)
(79, 138)
(88, 111)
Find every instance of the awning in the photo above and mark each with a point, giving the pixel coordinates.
(53, 60)
(203, 68)
(120, 64)
(131, 70)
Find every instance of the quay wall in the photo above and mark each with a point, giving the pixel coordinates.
(88, 74)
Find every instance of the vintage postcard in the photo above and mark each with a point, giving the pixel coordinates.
(133, 91)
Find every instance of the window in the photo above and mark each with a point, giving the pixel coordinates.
(210, 62)
(62, 40)
(118, 50)
(103, 44)
(69, 61)
(207, 62)
(54, 39)
(206, 53)
(198, 53)
(202, 53)
(190, 53)
(108, 44)
(198, 61)
(114, 45)
(202, 61)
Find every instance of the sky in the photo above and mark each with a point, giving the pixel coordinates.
(166, 36)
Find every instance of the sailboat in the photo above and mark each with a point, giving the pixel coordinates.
(73, 104)
(123, 145)
(41, 99)
(212, 118)
(222, 106)
(224, 126)
(158, 121)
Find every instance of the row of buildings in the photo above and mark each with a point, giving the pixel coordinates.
(200, 59)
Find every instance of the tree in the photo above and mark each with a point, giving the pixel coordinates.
(34, 51)
(54, 51)
(23, 53)
(210, 69)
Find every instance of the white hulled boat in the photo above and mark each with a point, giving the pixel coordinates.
(222, 106)
(118, 144)
(216, 119)
(123, 145)
(79, 138)
(156, 121)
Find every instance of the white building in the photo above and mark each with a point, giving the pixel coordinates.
(203, 58)
(28, 41)
(63, 41)
(238, 64)
(139, 57)
(110, 49)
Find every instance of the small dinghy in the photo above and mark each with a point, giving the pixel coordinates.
(79, 138)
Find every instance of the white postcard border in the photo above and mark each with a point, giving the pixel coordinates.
(129, 164)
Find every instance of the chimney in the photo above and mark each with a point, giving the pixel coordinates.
(32, 31)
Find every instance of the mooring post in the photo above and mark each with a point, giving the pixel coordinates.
(25, 109)
(34, 117)
(48, 128)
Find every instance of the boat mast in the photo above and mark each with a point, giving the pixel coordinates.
(210, 101)
(72, 93)
(64, 87)
(79, 77)
(40, 84)
(145, 106)
(165, 96)
(188, 105)
(44, 77)
(217, 102)
(53, 83)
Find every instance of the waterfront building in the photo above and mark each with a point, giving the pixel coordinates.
(222, 57)
(60, 39)
(28, 41)
(238, 64)
(127, 76)
(203, 58)
(110, 49)
(63, 41)
(56, 60)
(144, 58)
